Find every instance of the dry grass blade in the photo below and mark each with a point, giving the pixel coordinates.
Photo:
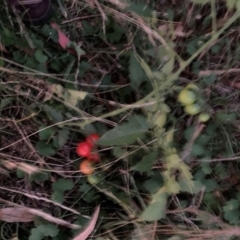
(46, 216)
(16, 214)
(90, 227)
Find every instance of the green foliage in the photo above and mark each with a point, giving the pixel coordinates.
(40, 57)
(210, 79)
(146, 163)
(45, 149)
(126, 133)
(140, 9)
(156, 210)
(39, 177)
(231, 211)
(43, 231)
(125, 63)
(46, 133)
(59, 187)
(136, 73)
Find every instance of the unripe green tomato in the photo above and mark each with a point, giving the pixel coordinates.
(93, 179)
(192, 86)
(160, 120)
(187, 97)
(192, 109)
(203, 117)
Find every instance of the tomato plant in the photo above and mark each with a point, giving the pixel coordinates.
(83, 149)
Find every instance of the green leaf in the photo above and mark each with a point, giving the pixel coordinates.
(210, 184)
(189, 132)
(39, 177)
(156, 209)
(152, 185)
(139, 8)
(53, 113)
(58, 197)
(85, 187)
(190, 186)
(126, 133)
(146, 163)
(136, 73)
(40, 57)
(46, 133)
(197, 150)
(36, 234)
(20, 173)
(45, 149)
(167, 68)
(62, 185)
(226, 117)
(206, 167)
(42, 231)
(172, 186)
(117, 32)
(62, 137)
(210, 79)
(231, 211)
(192, 46)
(118, 152)
(59, 187)
(203, 139)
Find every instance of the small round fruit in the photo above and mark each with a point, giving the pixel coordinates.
(187, 97)
(192, 87)
(86, 167)
(83, 149)
(92, 138)
(192, 109)
(93, 179)
(94, 157)
(203, 117)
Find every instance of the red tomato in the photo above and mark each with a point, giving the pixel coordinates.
(94, 157)
(92, 138)
(83, 149)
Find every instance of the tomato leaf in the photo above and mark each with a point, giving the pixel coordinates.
(156, 209)
(126, 133)
(146, 163)
(136, 73)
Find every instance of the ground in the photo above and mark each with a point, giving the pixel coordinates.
(157, 81)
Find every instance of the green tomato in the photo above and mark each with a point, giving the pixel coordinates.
(192, 109)
(93, 179)
(160, 119)
(192, 87)
(187, 97)
(203, 117)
